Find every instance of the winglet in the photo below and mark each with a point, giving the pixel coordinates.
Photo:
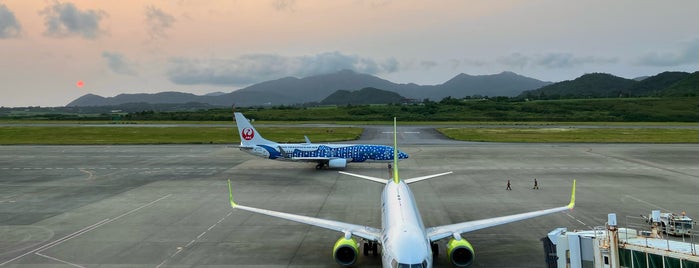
(230, 195)
(571, 205)
(395, 152)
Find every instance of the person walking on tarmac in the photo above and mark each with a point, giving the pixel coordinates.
(536, 184)
(508, 186)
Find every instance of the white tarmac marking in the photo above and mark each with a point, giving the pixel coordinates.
(59, 260)
(79, 233)
(647, 203)
(571, 216)
(180, 249)
(76, 233)
(88, 173)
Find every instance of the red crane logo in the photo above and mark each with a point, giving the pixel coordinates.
(247, 134)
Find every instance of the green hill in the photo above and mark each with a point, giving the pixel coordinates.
(687, 87)
(601, 85)
(368, 95)
(655, 85)
(594, 85)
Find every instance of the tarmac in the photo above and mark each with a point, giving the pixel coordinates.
(167, 205)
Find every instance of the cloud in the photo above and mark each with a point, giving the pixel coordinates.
(514, 60)
(158, 22)
(65, 19)
(9, 26)
(428, 64)
(282, 5)
(254, 68)
(551, 60)
(688, 53)
(118, 63)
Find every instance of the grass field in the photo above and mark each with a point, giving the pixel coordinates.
(232, 123)
(225, 134)
(55, 135)
(598, 135)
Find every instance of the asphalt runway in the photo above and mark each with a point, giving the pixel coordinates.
(167, 205)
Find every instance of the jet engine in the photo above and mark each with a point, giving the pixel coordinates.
(346, 251)
(337, 163)
(460, 252)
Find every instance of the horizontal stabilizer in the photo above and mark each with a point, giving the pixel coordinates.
(374, 179)
(411, 180)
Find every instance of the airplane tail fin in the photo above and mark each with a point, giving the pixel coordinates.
(396, 179)
(248, 134)
(394, 171)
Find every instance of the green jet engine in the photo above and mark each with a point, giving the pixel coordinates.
(345, 251)
(460, 252)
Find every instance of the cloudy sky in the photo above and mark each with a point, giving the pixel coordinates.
(202, 46)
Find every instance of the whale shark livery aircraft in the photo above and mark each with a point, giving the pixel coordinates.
(404, 240)
(331, 155)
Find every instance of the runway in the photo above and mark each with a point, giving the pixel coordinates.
(166, 205)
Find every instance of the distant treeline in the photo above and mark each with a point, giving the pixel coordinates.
(669, 109)
(449, 109)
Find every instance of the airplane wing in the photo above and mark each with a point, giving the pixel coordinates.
(365, 232)
(440, 232)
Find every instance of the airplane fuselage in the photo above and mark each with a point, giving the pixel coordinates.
(404, 240)
(351, 152)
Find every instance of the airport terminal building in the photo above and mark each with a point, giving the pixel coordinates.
(613, 247)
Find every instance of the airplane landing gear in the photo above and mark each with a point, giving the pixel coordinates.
(371, 247)
(320, 166)
(435, 249)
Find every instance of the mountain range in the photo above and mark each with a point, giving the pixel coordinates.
(602, 85)
(343, 86)
(292, 90)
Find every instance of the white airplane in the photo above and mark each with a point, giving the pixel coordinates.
(404, 240)
(331, 155)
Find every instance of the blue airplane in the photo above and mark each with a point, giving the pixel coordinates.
(330, 155)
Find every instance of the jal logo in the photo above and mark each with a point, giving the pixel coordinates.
(247, 134)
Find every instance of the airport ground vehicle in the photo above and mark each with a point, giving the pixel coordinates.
(671, 223)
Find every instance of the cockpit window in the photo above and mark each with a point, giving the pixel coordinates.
(405, 265)
(395, 264)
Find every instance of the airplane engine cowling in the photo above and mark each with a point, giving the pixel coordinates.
(460, 252)
(345, 251)
(337, 163)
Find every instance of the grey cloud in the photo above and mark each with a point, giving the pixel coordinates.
(65, 19)
(687, 54)
(457, 63)
(428, 64)
(9, 26)
(253, 68)
(551, 60)
(118, 63)
(158, 22)
(515, 60)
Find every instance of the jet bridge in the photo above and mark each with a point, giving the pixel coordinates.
(612, 247)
